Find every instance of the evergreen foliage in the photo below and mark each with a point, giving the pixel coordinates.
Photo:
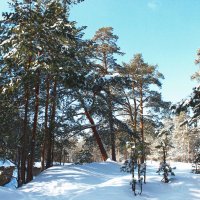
(84, 156)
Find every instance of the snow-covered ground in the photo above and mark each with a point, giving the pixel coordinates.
(104, 181)
(6, 163)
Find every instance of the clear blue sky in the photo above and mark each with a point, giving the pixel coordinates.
(166, 32)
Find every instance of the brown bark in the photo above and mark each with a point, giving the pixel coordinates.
(35, 121)
(19, 166)
(52, 125)
(49, 161)
(135, 115)
(135, 109)
(111, 124)
(43, 146)
(45, 142)
(49, 150)
(164, 154)
(24, 138)
(142, 122)
(96, 135)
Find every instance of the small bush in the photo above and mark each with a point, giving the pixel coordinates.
(84, 156)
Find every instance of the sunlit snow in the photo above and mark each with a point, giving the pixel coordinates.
(104, 181)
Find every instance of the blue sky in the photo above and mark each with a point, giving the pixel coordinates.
(166, 32)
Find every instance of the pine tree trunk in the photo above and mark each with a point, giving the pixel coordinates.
(45, 142)
(53, 115)
(24, 138)
(130, 111)
(135, 109)
(142, 122)
(131, 115)
(111, 124)
(188, 151)
(61, 154)
(43, 146)
(96, 135)
(19, 153)
(164, 155)
(50, 149)
(135, 115)
(35, 121)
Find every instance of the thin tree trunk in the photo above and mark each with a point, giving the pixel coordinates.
(49, 150)
(129, 110)
(142, 123)
(49, 161)
(135, 115)
(42, 158)
(35, 121)
(142, 129)
(52, 128)
(61, 154)
(164, 155)
(111, 124)
(24, 138)
(19, 153)
(188, 152)
(45, 142)
(135, 109)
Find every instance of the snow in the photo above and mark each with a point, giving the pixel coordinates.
(6, 163)
(10, 53)
(110, 76)
(37, 164)
(97, 181)
(8, 194)
(186, 102)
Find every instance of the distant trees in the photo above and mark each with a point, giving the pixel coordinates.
(193, 101)
(191, 121)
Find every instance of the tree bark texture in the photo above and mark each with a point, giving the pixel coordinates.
(111, 124)
(24, 145)
(35, 122)
(142, 122)
(50, 149)
(45, 142)
(97, 137)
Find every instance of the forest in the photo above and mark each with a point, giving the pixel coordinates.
(64, 98)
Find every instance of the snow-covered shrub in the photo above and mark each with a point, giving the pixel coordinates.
(128, 166)
(165, 169)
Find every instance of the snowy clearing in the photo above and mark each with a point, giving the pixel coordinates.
(104, 181)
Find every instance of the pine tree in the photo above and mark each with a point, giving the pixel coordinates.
(105, 49)
(142, 76)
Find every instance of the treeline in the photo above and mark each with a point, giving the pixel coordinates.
(57, 88)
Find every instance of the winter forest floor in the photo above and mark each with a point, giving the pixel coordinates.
(104, 181)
